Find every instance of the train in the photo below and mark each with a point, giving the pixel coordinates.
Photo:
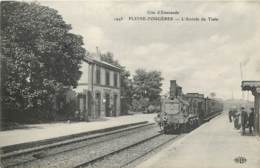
(182, 113)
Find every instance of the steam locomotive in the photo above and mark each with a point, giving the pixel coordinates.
(184, 112)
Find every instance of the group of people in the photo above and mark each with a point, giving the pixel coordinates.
(247, 119)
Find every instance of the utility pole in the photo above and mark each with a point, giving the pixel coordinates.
(241, 75)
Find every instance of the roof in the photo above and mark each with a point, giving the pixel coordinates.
(250, 85)
(93, 59)
(106, 64)
(195, 95)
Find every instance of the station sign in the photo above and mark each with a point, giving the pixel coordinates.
(249, 85)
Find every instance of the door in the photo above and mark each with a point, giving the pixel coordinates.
(107, 105)
(98, 104)
(82, 107)
(89, 105)
(115, 105)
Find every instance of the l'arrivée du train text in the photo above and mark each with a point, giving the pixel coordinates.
(165, 18)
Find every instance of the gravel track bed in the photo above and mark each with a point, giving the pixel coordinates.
(154, 152)
(81, 155)
(73, 146)
(125, 157)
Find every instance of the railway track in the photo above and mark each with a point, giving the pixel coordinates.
(129, 154)
(21, 154)
(124, 145)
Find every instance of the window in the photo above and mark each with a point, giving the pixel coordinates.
(107, 78)
(97, 75)
(115, 79)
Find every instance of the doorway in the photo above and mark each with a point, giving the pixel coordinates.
(98, 104)
(115, 105)
(107, 104)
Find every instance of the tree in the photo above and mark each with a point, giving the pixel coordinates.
(126, 90)
(212, 94)
(126, 83)
(40, 58)
(147, 85)
(109, 58)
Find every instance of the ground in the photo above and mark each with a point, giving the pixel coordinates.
(35, 132)
(215, 144)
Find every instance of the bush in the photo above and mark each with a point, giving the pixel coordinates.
(140, 104)
(153, 109)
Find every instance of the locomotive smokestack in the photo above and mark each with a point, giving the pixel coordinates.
(173, 89)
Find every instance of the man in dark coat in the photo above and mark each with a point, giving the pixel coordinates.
(236, 117)
(244, 119)
(251, 120)
(230, 114)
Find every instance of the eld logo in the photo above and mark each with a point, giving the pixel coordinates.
(240, 159)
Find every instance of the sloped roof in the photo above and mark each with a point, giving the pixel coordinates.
(93, 59)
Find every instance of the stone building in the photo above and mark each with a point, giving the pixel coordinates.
(99, 88)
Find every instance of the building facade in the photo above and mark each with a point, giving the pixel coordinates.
(99, 89)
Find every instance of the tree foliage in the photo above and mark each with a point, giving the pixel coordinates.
(212, 94)
(40, 58)
(109, 58)
(126, 89)
(147, 85)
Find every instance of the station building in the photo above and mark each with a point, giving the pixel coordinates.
(99, 88)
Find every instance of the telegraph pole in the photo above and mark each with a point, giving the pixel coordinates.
(241, 75)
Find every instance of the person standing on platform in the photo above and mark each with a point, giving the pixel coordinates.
(251, 120)
(236, 116)
(230, 114)
(244, 119)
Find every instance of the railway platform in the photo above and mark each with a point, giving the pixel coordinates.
(40, 132)
(216, 144)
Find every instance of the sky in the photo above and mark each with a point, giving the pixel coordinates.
(203, 56)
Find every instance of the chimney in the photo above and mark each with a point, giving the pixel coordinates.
(98, 55)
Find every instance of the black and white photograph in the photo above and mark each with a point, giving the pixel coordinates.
(130, 84)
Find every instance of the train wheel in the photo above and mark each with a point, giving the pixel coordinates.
(165, 130)
(175, 130)
(188, 127)
(197, 123)
(183, 128)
